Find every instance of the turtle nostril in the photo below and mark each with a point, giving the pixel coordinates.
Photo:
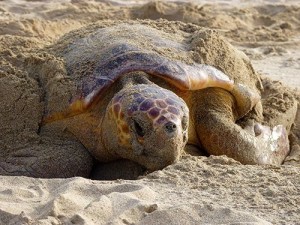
(170, 127)
(139, 130)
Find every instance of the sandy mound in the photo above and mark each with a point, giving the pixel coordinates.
(196, 190)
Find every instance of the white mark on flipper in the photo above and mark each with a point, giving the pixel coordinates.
(276, 134)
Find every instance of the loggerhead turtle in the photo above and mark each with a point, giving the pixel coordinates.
(142, 92)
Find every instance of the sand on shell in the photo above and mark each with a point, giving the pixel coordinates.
(196, 190)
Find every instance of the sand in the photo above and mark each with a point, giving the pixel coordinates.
(197, 189)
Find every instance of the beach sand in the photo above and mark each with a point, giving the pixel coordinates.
(195, 190)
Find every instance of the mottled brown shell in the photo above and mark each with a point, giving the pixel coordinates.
(105, 54)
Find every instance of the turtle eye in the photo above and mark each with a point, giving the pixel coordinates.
(139, 130)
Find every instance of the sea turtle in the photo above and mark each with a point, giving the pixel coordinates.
(142, 91)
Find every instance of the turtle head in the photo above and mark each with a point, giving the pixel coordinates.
(146, 124)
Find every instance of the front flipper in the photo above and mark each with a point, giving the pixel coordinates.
(274, 139)
(220, 135)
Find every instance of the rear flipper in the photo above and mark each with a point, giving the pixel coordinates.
(48, 159)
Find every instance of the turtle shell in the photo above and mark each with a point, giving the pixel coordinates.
(96, 56)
